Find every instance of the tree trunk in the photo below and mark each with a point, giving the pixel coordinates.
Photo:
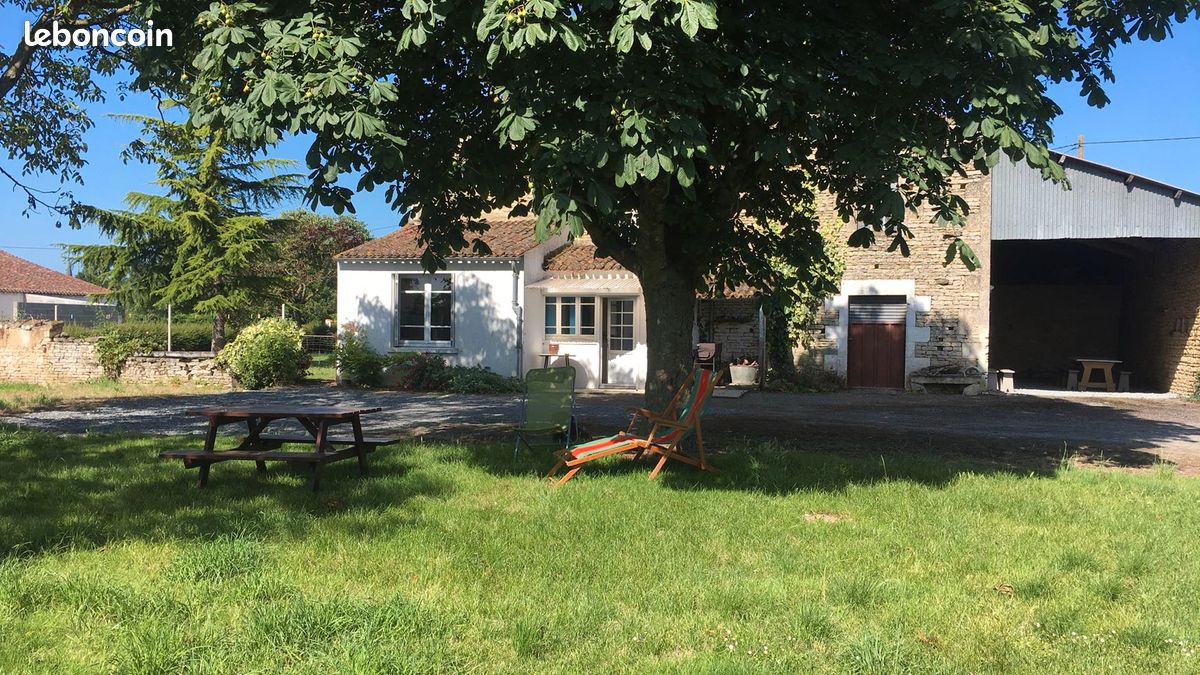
(218, 339)
(670, 313)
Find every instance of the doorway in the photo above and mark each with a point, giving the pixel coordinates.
(875, 355)
(620, 367)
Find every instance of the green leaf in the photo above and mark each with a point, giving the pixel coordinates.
(689, 19)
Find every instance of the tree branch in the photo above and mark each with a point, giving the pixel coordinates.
(24, 52)
(33, 195)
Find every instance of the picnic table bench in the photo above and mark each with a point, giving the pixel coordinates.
(261, 448)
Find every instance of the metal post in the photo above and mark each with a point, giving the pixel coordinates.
(169, 328)
(762, 348)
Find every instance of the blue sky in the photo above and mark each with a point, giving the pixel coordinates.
(1157, 94)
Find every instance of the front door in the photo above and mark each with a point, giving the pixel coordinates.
(876, 342)
(620, 367)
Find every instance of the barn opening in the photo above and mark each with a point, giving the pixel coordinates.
(1132, 300)
(1107, 270)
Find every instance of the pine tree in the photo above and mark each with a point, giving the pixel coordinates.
(201, 245)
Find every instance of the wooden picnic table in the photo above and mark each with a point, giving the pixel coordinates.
(1105, 366)
(260, 448)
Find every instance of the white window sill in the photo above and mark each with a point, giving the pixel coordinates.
(426, 348)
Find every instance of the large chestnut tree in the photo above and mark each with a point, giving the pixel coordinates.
(685, 136)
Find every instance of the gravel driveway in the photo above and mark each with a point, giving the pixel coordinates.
(1012, 429)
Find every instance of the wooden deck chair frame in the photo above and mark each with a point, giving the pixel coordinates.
(675, 429)
(523, 431)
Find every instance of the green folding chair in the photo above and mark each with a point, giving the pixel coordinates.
(549, 407)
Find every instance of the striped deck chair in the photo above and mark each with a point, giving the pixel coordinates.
(668, 429)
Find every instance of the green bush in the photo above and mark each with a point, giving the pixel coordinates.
(318, 327)
(478, 380)
(266, 353)
(414, 371)
(186, 336)
(809, 377)
(120, 341)
(356, 360)
(361, 365)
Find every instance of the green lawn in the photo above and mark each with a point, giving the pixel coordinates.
(450, 558)
(323, 368)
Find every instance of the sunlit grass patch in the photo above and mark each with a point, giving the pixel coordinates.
(451, 558)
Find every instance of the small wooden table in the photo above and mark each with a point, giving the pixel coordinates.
(547, 356)
(260, 448)
(1105, 366)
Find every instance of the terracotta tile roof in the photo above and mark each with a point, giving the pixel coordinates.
(18, 275)
(578, 256)
(507, 237)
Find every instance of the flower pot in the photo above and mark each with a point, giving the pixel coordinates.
(552, 348)
(743, 376)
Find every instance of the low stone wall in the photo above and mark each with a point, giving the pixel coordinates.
(198, 367)
(36, 352)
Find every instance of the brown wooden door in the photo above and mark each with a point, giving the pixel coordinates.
(876, 355)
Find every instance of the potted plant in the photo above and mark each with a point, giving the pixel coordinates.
(743, 371)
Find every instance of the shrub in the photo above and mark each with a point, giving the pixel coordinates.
(808, 377)
(186, 336)
(356, 360)
(414, 371)
(121, 341)
(318, 327)
(479, 380)
(266, 353)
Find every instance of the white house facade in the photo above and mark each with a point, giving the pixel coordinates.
(507, 310)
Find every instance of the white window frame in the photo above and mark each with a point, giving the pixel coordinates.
(427, 294)
(578, 305)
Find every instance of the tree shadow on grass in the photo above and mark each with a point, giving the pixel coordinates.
(96, 490)
(764, 467)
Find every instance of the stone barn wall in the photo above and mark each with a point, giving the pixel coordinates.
(733, 323)
(36, 352)
(1165, 326)
(948, 304)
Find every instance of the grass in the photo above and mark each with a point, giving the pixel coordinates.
(18, 397)
(451, 558)
(323, 368)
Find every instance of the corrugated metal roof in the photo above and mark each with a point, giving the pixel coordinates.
(589, 284)
(1103, 203)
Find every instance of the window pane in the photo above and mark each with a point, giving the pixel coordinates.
(587, 319)
(440, 283)
(412, 309)
(551, 316)
(410, 283)
(412, 333)
(439, 309)
(439, 334)
(567, 316)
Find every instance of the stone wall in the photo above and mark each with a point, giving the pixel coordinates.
(36, 352)
(948, 304)
(733, 323)
(198, 367)
(1164, 323)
